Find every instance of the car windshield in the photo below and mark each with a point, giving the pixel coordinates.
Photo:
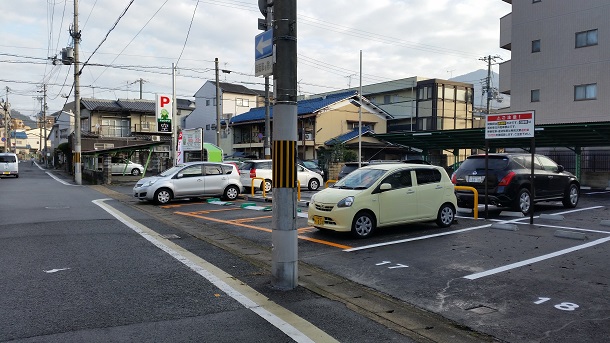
(171, 170)
(310, 165)
(360, 179)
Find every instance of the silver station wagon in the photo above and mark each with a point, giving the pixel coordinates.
(191, 180)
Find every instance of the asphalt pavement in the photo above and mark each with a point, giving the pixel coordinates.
(325, 307)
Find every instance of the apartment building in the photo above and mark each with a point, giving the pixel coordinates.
(560, 59)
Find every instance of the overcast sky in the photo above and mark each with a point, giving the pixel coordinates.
(398, 39)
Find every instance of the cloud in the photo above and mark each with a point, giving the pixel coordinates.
(398, 38)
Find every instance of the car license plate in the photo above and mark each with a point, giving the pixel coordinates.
(317, 220)
(478, 179)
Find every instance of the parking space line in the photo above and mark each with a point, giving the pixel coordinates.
(233, 222)
(580, 209)
(568, 228)
(535, 259)
(251, 219)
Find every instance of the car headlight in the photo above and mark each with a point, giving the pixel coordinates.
(150, 183)
(346, 202)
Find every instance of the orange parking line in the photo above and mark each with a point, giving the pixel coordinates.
(243, 220)
(233, 222)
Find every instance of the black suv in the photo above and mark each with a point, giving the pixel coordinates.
(508, 182)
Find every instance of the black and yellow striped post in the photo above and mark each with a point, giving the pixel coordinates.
(284, 235)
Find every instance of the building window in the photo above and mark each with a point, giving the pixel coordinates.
(239, 102)
(246, 103)
(387, 99)
(535, 95)
(536, 45)
(585, 92)
(586, 38)
(207, 102)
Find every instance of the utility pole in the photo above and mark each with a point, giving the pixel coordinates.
(141, 81)
(284, 233)
(267, 141)
(78, 178)
(174, 144)
(218, 107)
(39, 124)
(44, 122)
(488, 59)
(7, 123)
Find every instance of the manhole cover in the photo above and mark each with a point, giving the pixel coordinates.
(482, 310)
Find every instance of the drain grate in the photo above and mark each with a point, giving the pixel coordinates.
(482, 310)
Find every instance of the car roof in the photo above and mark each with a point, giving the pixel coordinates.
(392, 166)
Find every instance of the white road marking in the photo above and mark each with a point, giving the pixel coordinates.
(535, 259)
(602, 192)
(60, 180)
(55, 270)
(265, 308)
(568, 228)
(516, 220)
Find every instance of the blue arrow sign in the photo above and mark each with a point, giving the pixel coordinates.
(263, 45)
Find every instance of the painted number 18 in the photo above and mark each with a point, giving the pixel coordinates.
(564, 306)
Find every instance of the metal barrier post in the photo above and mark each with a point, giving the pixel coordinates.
(475, 210)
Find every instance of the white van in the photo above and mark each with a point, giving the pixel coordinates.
(9, 164)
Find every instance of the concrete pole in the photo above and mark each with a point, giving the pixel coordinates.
(267, 141)
(78, 177)
(284, 234)
(360, 116)
(174, 142)
(218, 106)
(44, 122)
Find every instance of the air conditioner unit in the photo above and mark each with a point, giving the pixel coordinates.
(308, 136)
(155, 138)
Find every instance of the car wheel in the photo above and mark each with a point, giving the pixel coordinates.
(266, 185)
(363, 225)
(163, 196)
(135, 172)
(231, 192)
(314, 184)
(570, 199)
(524, 201)
(445, 216)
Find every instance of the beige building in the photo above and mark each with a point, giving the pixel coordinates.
(319, 121)
(560, 59)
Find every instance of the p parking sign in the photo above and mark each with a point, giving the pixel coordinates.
(164, 111)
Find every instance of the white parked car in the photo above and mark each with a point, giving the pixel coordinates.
(383, 195)
(190, 180)
(119, 166)
(9, 164)
(261, 172)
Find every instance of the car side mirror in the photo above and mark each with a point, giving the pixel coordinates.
(560, 168)
(385, 187)
(179, 176)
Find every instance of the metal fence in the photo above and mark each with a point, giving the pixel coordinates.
(590, 160)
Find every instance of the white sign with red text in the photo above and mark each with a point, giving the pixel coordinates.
(510, 125)
(192, 139)
(179, 150)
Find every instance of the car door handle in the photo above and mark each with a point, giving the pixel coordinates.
(439, 187)
(410, 191)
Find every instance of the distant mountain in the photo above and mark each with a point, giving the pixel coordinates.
(477, 78)
(27, 121)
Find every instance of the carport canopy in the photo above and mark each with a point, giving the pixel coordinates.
(130, 149)
(573, 136)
